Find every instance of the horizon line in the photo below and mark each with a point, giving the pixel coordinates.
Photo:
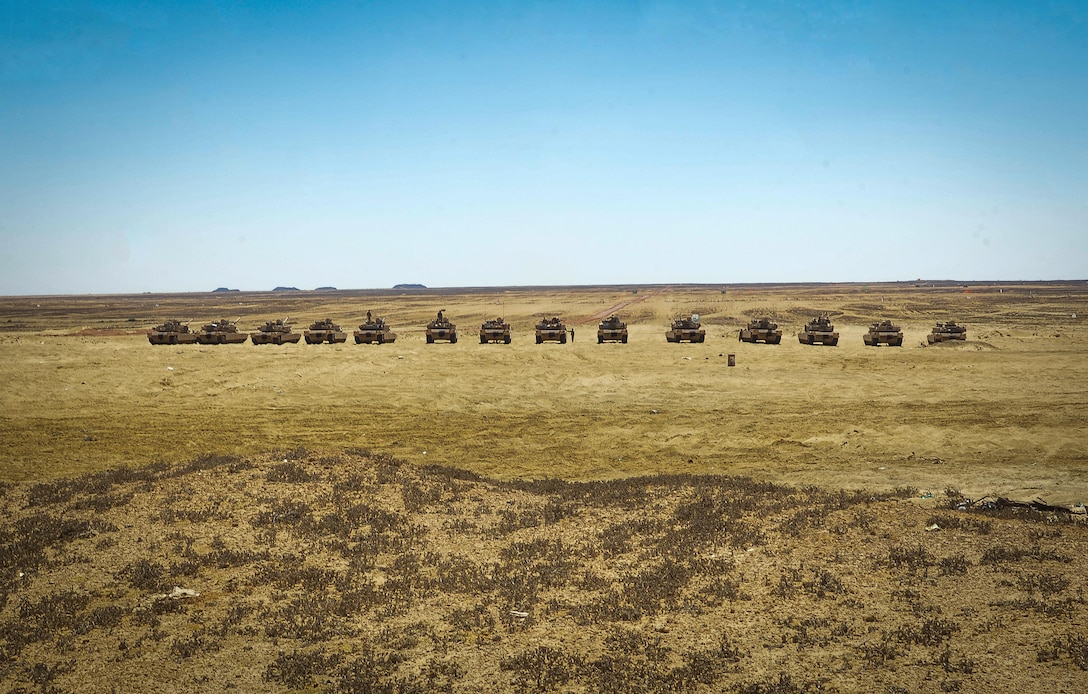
(916, 283)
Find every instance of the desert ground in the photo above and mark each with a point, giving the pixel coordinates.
(577, 517)
(1003, 413)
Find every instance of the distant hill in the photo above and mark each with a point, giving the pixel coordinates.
(286, 289)
(325, 289)
(409, 286)
(223, 289)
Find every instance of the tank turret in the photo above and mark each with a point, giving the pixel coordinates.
(686, 330)
(441, 329)
(172, 332)
(819, 330)
(274, 332)
(220, 332)
(497, 330)
(943, 332)
(885, 333)
(374, 330)
(761, 330)
(323, 331)
(551, 330)
(612, 329)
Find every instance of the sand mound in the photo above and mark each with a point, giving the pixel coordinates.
(966, 345)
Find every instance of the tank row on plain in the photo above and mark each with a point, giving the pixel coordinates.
(819, 330)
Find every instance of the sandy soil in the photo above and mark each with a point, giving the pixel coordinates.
(687, 529)
(1002, 414)
(355, 573)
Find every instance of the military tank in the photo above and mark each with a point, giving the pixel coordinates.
(497, 330)
(374, 330)
(885, 333)
(172, 332)
(551, 330)
(686, 330)
(441, 329)
(220, 332)
(819, 329)
(943, 332)
(761, 330)
(322, 331)
(612, 329)
(274, 332)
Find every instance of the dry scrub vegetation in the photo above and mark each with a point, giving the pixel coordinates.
(582, 517)
(355, 572)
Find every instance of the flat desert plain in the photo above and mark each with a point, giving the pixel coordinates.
(1003, 413)
(575, 517)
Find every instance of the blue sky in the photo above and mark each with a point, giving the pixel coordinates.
(186, 146)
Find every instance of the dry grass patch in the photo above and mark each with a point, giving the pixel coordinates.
(353, 571)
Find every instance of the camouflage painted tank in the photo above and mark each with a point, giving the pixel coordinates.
(220, 332)
(885, 333)
(374, 330)
(612, 329)
(322, 331)
(551, 330)
(441, 329)
(686, 330)
(943, 332)
(274, 332)
(820, 330)
(172, 332)
(497, 330)
(761, 330)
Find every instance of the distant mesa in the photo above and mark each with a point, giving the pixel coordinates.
(409, 286)
(223, 289)
(286, 289)
(325, 289)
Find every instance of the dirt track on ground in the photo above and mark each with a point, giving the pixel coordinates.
(616, 308)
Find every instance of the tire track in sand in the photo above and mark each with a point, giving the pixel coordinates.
(599, 315)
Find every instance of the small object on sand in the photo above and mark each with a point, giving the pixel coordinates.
(931, 528)
(178, 593)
